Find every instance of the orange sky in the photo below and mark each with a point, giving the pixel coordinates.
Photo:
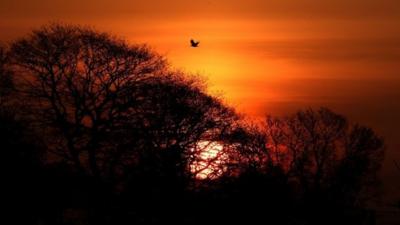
(265, 56)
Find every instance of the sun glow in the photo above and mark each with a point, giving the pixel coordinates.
(208, 163)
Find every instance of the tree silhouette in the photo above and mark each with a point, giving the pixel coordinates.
(21, 165)
(110, 134)
(107, 106)
(6, 83)
(330, 161)
(81, 83)
(311, 165)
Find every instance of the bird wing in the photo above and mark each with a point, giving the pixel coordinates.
(194, 43)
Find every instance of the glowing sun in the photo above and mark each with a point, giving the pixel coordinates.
(208, 163)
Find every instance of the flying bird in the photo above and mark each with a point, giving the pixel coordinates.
(194, 43)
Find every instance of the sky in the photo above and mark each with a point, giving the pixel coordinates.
(263, 56)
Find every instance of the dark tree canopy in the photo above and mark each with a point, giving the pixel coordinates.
(104, 101)
(321, 151)
(81, 83)
(105, 132)
(319, 164)
(6, 83)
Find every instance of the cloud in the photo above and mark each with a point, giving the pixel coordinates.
(331, 49)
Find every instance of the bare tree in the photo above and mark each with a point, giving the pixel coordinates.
(118, 113)
(320, 150)
(81, 82)
(103, 101)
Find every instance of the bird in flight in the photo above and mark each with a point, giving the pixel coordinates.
(194, 43)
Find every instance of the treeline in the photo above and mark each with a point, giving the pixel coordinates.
(94, 130)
